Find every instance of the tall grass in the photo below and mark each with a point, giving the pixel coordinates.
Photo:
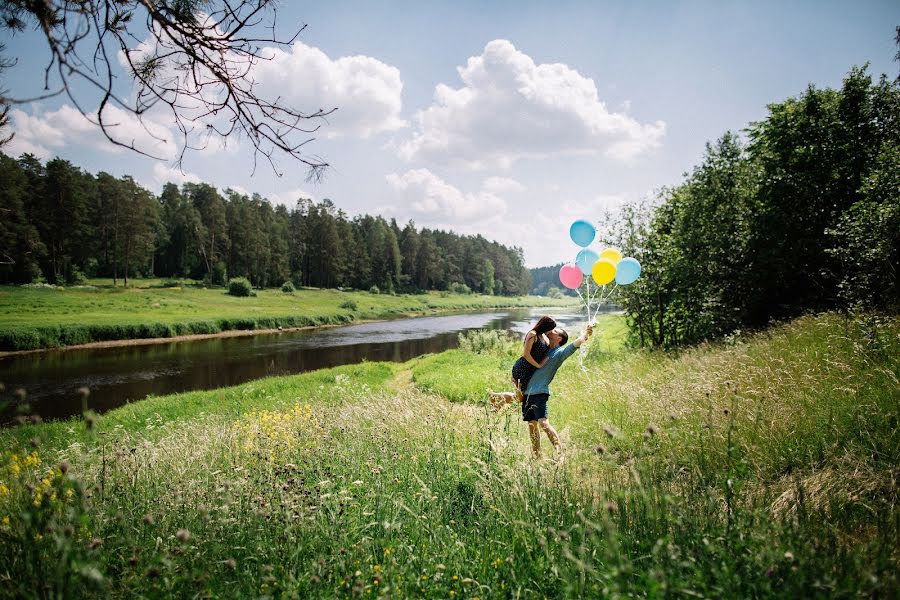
(762, 469)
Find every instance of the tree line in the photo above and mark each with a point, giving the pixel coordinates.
(61, 224)
(800, 214)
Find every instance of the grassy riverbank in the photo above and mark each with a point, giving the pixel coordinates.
(49, 317)
(766, 468)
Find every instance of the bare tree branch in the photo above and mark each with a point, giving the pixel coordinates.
(192, 59)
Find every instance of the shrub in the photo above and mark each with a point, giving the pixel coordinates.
(349, 305)
(486, 341)
(219, 274)
(288, 287)
(374, 290)
(239, 286)
(459, 288)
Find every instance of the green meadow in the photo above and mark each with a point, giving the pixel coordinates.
(765, 467)
(45, 317)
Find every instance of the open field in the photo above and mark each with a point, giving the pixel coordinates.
(765, 468)
(49, 317)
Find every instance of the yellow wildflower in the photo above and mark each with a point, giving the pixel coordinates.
(5, 521)
(4, 491)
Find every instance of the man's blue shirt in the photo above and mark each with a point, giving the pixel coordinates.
(540, 381)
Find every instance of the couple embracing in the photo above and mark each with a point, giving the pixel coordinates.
(544, 351)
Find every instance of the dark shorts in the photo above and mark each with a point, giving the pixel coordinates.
(534, 407)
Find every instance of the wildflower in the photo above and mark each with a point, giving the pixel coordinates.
(377, 579)
(387, 551)
(5, 521)
(455, 577)
(376, 567)
(4, 491)
(183, 535)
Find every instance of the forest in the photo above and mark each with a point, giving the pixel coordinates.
(800, 214)
(62, 225)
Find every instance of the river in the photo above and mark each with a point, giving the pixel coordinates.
(115, 376)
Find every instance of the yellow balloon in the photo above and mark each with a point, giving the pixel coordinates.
(612, 254)
(604, 271)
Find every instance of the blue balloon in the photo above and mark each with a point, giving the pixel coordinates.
(582, 233)
(627, 271)
(586, 259)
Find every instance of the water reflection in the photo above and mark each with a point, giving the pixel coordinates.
(118, 375)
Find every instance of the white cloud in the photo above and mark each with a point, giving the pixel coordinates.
(163, 175)
(46, 133)
(503, 184)
(366, 91)
(289, 197)
(429, 196)
(510, 108)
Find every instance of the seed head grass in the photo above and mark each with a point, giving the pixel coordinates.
(775, 478)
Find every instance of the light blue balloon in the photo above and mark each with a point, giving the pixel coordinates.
(586, 259)
(627, 271)
(582, 233)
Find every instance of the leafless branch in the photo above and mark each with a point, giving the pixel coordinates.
(190, 59)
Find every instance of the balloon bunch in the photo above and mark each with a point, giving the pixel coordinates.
(604, 268)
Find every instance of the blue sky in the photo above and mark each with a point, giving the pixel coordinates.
(508, 119)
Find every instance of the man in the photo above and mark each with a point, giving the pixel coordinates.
(534, 406)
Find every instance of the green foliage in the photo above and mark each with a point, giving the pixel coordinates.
(487, 341)
(459, 288)
(349, 305)
(801, 218)
(867, 238)
(374, 290)
(239, 286)
(288, 287)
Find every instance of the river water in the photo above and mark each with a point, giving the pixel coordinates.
(118, 375)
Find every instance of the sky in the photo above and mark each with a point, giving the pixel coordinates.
(505, 119)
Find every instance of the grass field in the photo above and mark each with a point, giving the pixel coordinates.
(48, 317)
(765, 468)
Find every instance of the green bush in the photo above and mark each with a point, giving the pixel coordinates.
(239, 286)
(374, 290)
(288, 287)
(459, 288)
(486, 341)
(349, 305)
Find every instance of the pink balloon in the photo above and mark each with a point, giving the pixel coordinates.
(570, 276)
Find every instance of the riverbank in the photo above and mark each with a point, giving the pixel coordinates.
(766, 468)
(40, 318)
